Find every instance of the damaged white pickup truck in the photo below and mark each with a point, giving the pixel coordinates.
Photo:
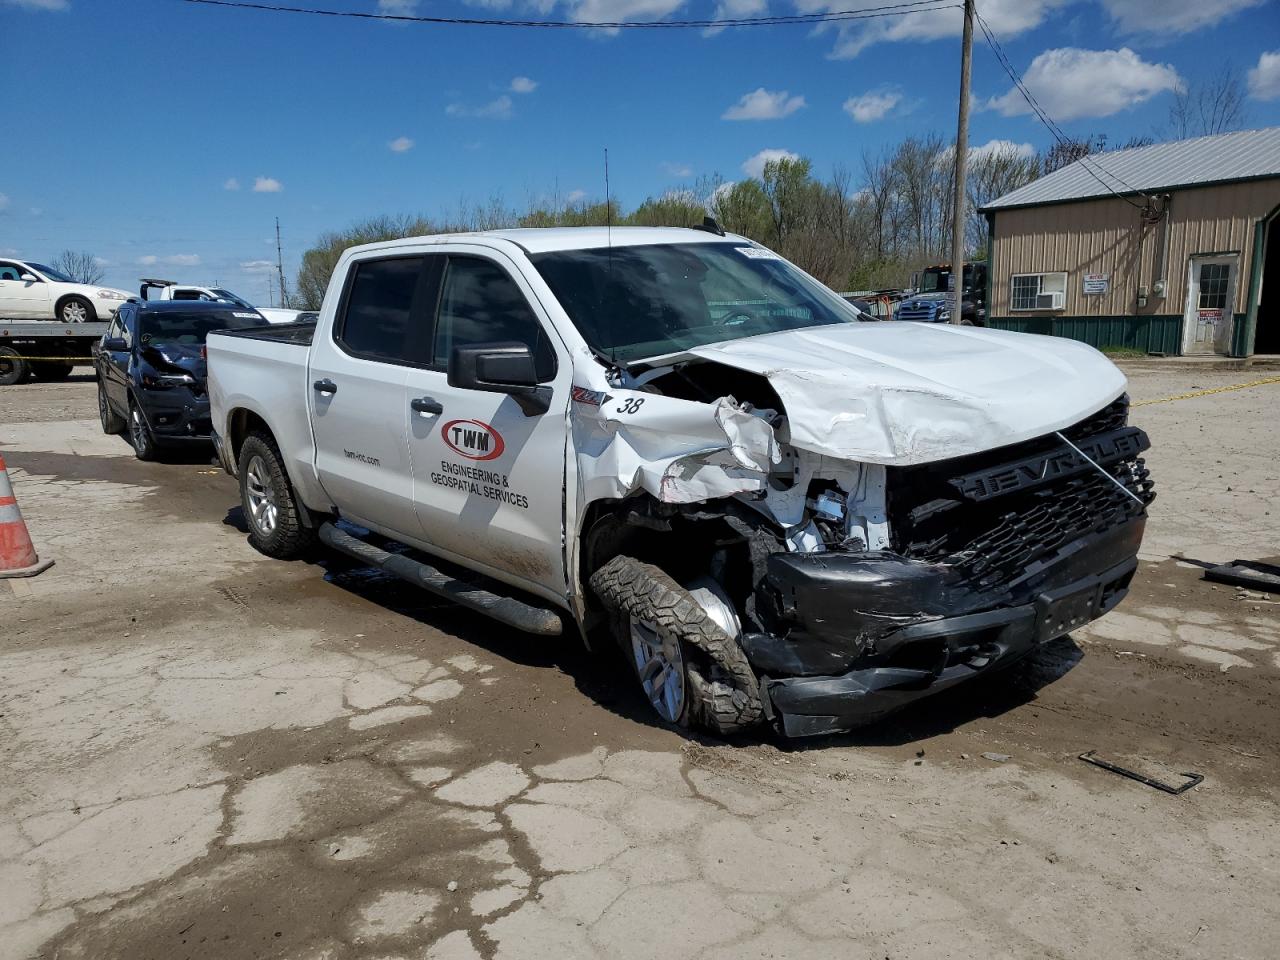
(782, 514)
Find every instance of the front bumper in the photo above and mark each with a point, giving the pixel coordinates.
(177, 415)
(870, 635)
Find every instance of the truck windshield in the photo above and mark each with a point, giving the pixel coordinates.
(192, 328)
(631, 303)
(230, 297)
(52, 274)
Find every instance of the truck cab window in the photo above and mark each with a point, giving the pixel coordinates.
(480, 303)
(380, 300)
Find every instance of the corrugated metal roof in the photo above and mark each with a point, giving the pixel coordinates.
(1227, 156)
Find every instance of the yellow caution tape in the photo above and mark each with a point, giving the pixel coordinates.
(10, 356)
(1204, 393)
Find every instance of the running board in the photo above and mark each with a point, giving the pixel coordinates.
(514, 613)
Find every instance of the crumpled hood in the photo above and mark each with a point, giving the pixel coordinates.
(905, 393)
(185, 356)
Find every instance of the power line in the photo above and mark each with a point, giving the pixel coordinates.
(868, 13)
(1087, 163)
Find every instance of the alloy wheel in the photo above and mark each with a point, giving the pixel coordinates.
(264, 512)
(75, 312)
(659, 663)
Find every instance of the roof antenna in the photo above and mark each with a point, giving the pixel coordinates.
(608, 234)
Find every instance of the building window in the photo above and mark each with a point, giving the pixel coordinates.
(1039, 291)
(1213, 285)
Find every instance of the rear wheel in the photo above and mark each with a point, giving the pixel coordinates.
(52, 370)
(682, 644)
(271, 506)
(112, 422)
(12, 368)
(144, 443)
(76, 310)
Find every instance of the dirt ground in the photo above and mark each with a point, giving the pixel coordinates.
(205, 753)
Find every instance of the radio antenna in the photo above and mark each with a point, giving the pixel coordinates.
(608, 239)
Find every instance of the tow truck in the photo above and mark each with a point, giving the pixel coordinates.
(46, 349)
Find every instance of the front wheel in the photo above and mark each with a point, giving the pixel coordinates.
(271, 506)
(77, 310)
(144, 443)
(682, 648)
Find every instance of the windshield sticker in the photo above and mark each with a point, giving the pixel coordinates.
(592, 398)
(757, 253)
(246, 316)
(472, 439)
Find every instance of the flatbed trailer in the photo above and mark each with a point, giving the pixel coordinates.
(47, 349)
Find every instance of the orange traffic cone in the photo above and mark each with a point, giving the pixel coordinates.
(17, 553)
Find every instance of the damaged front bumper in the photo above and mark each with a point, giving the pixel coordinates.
(859, 636)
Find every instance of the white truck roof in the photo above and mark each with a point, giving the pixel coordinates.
(548, 239)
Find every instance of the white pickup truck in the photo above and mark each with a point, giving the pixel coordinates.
(153, 289)
(677, 437)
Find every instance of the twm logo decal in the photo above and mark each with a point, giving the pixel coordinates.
(473, 439)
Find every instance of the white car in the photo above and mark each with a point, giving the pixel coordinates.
(32, 291)
(153, 289)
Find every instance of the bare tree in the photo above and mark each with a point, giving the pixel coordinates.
(992, 175)
(80, 267)
(1212, 104)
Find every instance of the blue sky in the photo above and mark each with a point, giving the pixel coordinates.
(165, 137)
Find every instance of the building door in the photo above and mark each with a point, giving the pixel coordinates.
(1208, 321)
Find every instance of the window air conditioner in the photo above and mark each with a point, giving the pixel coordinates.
(1050, 301)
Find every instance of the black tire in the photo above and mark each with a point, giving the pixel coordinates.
(287, 536)
(140, 435)
(12, 369)
(112, 422)
(52, 371)
(723, 692)
(76, 310)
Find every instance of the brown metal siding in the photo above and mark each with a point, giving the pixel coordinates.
(1108, 236)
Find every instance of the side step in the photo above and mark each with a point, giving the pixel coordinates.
(514, 613)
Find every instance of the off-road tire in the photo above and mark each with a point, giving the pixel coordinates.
(12, 369)
(90, 314)
(112, 422)
(141, 438)
(724, 694)
(292, 537)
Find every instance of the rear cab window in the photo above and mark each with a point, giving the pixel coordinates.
(386, 309)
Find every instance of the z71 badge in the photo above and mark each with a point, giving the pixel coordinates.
(473, 439)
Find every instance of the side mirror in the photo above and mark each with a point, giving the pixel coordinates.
(30, 278)
(500, 368)
(114, 344)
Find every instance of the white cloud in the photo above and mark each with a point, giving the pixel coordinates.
(258, 266)
(4, 201)
(1264, 79)
(736, 10)
(38, 4)
(1002, 147)
(523, 85)
(1070, 83)
(231, 184)
(499, 109)
(872, 105)
(400, 145)
(489, 4)
(753, 166)
(1152, 17)
(613, 11)
(576, 195)
(149, 260)
(102, 261)
(1007, 18)
(172, 260)
(762, 104)
(267, 185)
(398, 8)
(676, 169)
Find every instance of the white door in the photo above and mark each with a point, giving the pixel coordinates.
(1208, 320)
(358, 410)
(488, 477)
(22, 299)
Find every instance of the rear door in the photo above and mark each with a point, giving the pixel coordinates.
(22, 299)
(359, 366)
(113, 365)
(488, 480)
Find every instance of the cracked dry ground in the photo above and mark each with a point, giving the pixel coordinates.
(208, 754)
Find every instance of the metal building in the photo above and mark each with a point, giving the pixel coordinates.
(1171, 248)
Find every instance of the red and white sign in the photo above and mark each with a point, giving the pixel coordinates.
(473, 439)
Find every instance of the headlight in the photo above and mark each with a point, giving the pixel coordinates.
(111, 295)
(155, 380)
(944, 314)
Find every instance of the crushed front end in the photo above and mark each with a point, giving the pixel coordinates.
(926, 576)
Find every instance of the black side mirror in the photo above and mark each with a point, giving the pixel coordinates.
(500, 368)
(114, 345)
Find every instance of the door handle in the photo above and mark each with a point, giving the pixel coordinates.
(326, 387)
(426, 405)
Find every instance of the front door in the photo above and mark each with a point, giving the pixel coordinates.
(488, 479)
(356, 385)
(1208, 321)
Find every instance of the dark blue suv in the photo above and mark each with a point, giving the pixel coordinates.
(151, 370)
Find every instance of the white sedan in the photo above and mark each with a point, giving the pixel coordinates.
(32, 291)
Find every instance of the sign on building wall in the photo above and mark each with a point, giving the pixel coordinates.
(1096, 283)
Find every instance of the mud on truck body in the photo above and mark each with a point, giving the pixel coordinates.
(678, 440)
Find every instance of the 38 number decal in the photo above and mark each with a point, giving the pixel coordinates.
(631, 405)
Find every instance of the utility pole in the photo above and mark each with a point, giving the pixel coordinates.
(962, 158)
(280, 262)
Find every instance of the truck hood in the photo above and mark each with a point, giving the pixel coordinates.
(905, 393)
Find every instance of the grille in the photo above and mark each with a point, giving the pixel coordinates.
(921, 311)
(993, 543)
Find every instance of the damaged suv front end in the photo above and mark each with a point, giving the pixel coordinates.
(869, 513)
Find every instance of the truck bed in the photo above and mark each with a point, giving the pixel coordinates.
(300, 334)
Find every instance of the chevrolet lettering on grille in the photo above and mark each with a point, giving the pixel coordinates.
(1032, 471)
